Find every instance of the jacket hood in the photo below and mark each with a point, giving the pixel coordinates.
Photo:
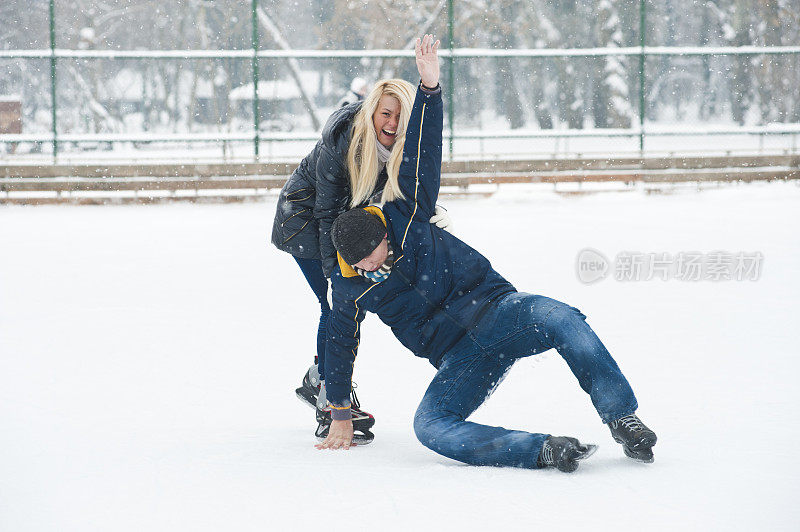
(339, 123)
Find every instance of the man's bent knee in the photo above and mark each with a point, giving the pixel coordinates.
(563, 315)
(563, 322)
(428, 425)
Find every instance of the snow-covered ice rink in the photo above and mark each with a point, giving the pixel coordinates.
(149, 355)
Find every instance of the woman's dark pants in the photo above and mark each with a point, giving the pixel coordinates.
(312, 270)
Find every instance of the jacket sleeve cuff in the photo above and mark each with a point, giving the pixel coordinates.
(340, 413)
(426, 90)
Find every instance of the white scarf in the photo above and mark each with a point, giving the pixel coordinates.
(383, 155)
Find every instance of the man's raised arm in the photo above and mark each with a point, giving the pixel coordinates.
(420, 171)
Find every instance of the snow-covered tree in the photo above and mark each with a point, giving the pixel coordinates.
(612, 106)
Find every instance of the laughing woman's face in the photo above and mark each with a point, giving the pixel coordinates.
(385, 119)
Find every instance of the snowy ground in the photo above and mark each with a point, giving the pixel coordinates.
(148, 357)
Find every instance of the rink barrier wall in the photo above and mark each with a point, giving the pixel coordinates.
(283, 170)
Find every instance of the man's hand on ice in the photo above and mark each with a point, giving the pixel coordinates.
(340, 436)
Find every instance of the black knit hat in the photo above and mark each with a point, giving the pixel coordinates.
(356, 234)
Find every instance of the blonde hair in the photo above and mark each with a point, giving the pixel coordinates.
(362, 156)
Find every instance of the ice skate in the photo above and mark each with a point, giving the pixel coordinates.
(312, 393)
(362, 423)
(563, 453)
(637, 440)
(308, 392)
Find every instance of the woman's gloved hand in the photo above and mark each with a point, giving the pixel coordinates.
(442, 219)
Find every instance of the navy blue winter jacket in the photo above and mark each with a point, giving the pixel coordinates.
(438, 288)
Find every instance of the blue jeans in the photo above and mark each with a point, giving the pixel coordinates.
(312, 271)
(516, 326)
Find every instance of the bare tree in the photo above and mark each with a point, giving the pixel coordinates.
(294, 67)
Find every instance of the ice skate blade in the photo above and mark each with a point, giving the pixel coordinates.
(358, 439)
(590, 450)
(644, 456)
(306, 400)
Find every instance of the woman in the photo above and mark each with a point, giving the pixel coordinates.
(355, 163)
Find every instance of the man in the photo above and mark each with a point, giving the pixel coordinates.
(445, 303)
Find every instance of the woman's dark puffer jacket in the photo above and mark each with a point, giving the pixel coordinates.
(317, 192)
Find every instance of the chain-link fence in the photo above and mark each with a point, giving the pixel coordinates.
(250, 103)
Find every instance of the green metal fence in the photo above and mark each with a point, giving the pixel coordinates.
(450, 53)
